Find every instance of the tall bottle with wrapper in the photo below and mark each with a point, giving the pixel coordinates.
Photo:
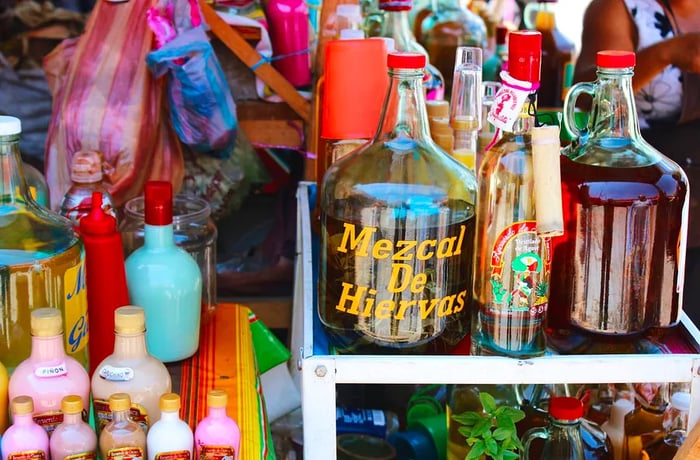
(132, 370)
(41, 261)
(166, 281)
(217, 435)
(73, 438)
(49, 374)
(24, 439)
(396, 240)
(515, 218)
(620, 265)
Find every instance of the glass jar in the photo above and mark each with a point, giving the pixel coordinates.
(194, 231)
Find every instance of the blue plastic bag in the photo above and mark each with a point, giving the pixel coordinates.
(202, 110)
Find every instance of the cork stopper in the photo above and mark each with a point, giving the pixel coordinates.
(46, 322)
(217, 398)
(86, 167)
(170, 402)
(119, 402)
(129, 319)
(437, 109)
(72, 404)
(22, 405)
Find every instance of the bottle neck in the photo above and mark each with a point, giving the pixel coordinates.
(130, 345)
(121, 416)
(525, 121)
(13, 185)
(217, 412)
(22, 420)
(405, 116)
(72, 419)
(614, 112)
(158, 236)
(48, 349)
(398, 27)
(171, 416)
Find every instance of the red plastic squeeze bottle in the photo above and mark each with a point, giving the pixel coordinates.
(105, 277)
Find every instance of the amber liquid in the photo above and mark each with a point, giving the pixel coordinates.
(436, 291)
(557, 52)
(616, 269)
(639, 424)
(33, 279)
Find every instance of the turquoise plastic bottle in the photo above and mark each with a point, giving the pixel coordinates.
(165, 280)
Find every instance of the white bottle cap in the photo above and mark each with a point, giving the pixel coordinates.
(10, 126)
(681, 401)
(351, 34)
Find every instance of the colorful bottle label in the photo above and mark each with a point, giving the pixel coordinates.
(116, 374)
(75, 304)
(49, 420)
(27, 455)
(217, 453)
(45, 372)
(103, 415)
(82, 456)
(174, 455)
(125, 453)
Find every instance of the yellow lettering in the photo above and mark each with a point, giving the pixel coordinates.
(423, 253)
(397, 282)
(424, 309)
(384, 309)
(403, 306)
(460, 240)
(446, 247)
(369, 303)
(418, 283)
(405, 245)
(354, 300)
(460, 302)
(355, 241)
(446, 304)
(382, 249)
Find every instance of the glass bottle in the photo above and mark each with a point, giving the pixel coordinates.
(41, 261)
(86, 177)
(165, 280)
(217, 435)
(24, 438)
(647, 418)
(512, 260)
(447, 27)
(73, 438)
(170, 437)
(122, 438)
(396, 25)
(496, 62)
(614, 427)
(132, 370)
(397, 232)
(563, 435)
(465, 104)
(675, 423)
(38, 187)
(49, 374)
(619, 266)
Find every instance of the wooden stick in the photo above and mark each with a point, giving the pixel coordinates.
(253, 59)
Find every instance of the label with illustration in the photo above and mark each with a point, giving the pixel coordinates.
(103, 415)
(116, 374)
(48, 420)
(217, 453)
(125, 453)
(520, 268)
(82, 456)
(27, 455)
(174, 455)
(75, 302)
(45, 372)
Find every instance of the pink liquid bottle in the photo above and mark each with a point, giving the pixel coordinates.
(24, 440)
(73, 439)
(289, 33)
(217, 435)
(49, 374)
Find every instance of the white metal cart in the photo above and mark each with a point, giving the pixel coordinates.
(317, 374)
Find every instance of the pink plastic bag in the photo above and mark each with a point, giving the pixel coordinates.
(104, 98)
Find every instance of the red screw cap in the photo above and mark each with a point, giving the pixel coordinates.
(159, 203)
(615, 59)
(565, 408)
(524, 55)
(97, 222)
(401, 60)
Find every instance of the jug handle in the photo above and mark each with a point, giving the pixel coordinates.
(570, 110)
(530, 435)
(529, 14)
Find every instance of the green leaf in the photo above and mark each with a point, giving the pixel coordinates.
(476, 451)
(482, 427)
(465, 431)
(487, 402)
(491, 446)
(467, 418)
(507, 455)
(514, 414)
(501, 434)
(504, 421)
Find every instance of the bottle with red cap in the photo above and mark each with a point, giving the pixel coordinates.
(105, 277)
(619, 267)
(397, 233)
(511, 266)
(563, 435)
(165, 280)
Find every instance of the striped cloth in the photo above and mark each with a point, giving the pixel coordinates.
(226, 361)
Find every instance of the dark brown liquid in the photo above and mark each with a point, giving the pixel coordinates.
(616, 269)
(556, 54)
(390, 298)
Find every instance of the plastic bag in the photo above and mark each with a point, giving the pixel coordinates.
(202, 110)
(105, 99)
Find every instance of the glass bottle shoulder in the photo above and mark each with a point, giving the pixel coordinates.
(31, 233)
